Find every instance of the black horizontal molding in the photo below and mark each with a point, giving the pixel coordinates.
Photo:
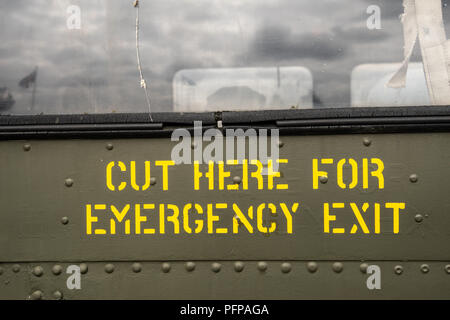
(82, 127)
(174, 118)
(289, 122)
(335, 113)
(364, 121)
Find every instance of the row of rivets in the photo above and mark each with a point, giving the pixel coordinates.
(38, 295)
(262, 266)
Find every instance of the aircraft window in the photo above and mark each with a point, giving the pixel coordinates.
(75, 57)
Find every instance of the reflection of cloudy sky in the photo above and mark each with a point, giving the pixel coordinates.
(94, 69)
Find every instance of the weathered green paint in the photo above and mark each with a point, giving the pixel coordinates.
(34, 199)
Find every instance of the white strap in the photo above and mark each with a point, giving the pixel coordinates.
(423, 19)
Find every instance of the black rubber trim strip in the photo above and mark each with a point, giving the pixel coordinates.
(334, 113)
(82, 127)
(363, 121)
(301, 122)
(111, 118)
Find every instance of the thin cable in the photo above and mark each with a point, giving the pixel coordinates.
(138, 55)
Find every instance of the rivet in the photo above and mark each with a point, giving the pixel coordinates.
(447, 268)
(37, 295)
(190, 266)
(166, 267)
(338, 267)
(109, 146)
(16, 268)
(57, 295)
(69, 183)
(193, 145)
(323, 179)
(367, 142)
(84, 268)
(363, 267)
(109, 268)
(239, 266)
(152, 181)
(312, 267)
(262, 266)
(418, 218)
(280, 144)
(237, 180)
(38, 271)
(64, 220)
(286, 267)
(136, 267)
(57, 269)
(413, 178)
(27, 147)
(398, 270)
(425, 268)
(215, 267)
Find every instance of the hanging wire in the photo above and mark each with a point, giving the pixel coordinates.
(138, 55)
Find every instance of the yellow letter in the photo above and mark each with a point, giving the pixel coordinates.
(379, 172)
(317, 174)
(133, 176)
(396, 208)
(359, 217)
(354, 165)
(174, 218)
(257, 174)
(282, 186)
(90, 219)
(186, 218)
(245, 174)
(120, 215)
(140, 219)
(165, 165)
(109, 183)
(377, 218)
(288, 214)
(234, 186)
(365, 173)
(212, 218)
(241, 218)
(260, 210)
(222, 175)
(327, 217)
(340, 174)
